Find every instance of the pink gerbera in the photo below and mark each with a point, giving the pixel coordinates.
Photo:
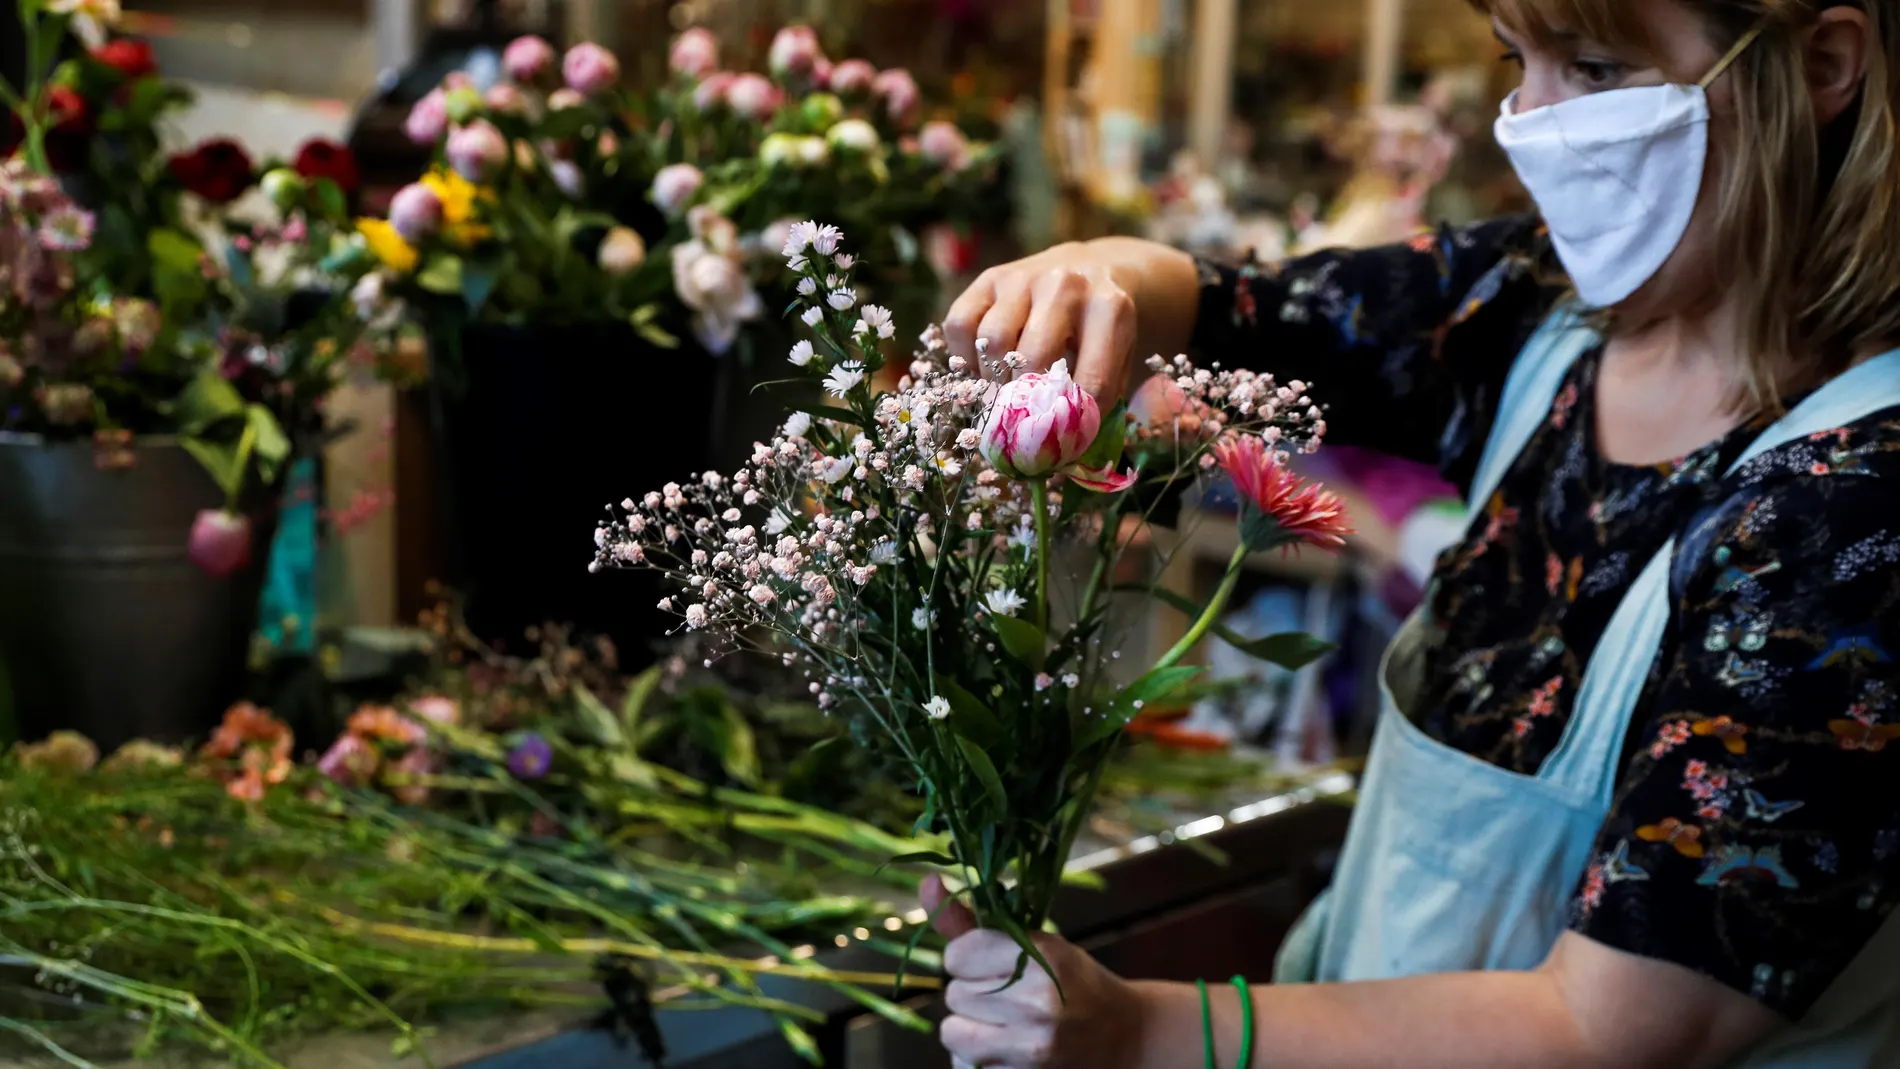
(1305, 511)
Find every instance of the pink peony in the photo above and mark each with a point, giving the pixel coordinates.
(752, 96)
(852, 77)
(1039, 424)
(944, 145)
(694, 53)
(590, 69)
(504, 98)
(1303, 512)
(477, 151)
(622, 251)
(898, 92)
(674, 187)
(712, 283)
(429, 119)
(528, 60)
(437, 709)
(349, 761)
(220, 543)
(710, 94)
(416, 212)
(795, 52)
(562, 99)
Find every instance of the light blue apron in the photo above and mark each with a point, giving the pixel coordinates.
(1455, 864)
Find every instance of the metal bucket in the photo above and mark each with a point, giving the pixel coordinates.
(106, 628)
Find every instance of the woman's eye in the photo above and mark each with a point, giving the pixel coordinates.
(1597, 72)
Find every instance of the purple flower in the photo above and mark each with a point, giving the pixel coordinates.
(531, 758)
(590, 69)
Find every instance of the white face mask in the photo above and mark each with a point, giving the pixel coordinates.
(1616, 175)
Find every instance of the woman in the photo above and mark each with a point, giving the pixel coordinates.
(1632, 801)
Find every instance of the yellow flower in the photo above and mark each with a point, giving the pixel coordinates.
(458, 196)
(387, 245)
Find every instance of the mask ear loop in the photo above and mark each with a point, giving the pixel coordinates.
(1741, 46)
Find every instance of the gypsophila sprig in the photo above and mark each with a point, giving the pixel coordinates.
(899, 547)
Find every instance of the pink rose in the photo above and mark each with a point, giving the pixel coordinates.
(1039, 424)
(752, 96)
(416, 212)
(437, 709)
(504, 98)
(477, 151)
(428, 119)
(899, 93)
(590, 69)
(943, 144)
(674, 186)
(852, 77)
(710, 94)
(220, 543)
(350, 761)
(794, 52)
(694, 53)
(528, 60)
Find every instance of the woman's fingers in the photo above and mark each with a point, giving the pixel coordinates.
(1105, 342)
(951, 919)
(966, 315)
(995, 1047)
(1002, 327)
(984, 954)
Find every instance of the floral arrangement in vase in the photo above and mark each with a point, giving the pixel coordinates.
(142, 297)
(938, 560)
(559, 197)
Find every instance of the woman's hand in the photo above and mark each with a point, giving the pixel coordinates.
(1108, 305)
(1027, 1025)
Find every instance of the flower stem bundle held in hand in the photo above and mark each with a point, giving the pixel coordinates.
(901, 548)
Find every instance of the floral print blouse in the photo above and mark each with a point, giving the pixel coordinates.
(1755, 834)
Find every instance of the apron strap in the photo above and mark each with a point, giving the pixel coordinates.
(1619, 669)
(1529, 391)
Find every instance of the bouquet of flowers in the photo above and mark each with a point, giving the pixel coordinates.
(905, 549)
(559, 197)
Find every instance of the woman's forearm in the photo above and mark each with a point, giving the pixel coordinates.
(1505, 1020)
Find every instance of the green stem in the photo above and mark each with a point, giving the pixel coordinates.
(32, 110)
(1209, 615)
(246, 443)
(1039, 496)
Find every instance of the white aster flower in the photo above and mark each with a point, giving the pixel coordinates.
(801, 353)
(797, 425)
(878, 318)
(798, 238)
(845, 261)
(826, 239)
(1005, 602)
(844, 378)
(841, 299)
(1024, 536)
(938, 708)
(797, 263)
(1071, 680)
(813, 316)
(884, 552)
(806, 287)
(949, 466)
(921, 619)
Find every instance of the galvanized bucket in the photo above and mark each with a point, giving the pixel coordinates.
(106, 628)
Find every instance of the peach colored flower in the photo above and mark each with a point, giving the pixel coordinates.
(1305, 511)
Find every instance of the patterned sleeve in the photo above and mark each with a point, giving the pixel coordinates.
(1407, 345)
(1756, 835)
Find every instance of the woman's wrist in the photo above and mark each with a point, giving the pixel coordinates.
(1165, 285)
(1170, 1030)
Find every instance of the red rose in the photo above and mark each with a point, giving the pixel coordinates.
(69, 139)
(133, 59)
(217, 170)
(319, 158)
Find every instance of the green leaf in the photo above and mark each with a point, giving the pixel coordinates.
(1158, 685)
(985, 770)
(220, 460)
(596, 720)
(922, 857)
(839, 415)
(206, 401)
(1014, 929)
(644, 320)
(478, 281)
(1292, 651)
(270, 446)
(969, 717)
(330, 198)
(740, 754)
(176, 278)
(638, 692)
(147, 98)
(442, 274)
(1106, 450)
(1024, 640)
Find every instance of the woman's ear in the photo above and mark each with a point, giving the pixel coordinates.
(1835, 57)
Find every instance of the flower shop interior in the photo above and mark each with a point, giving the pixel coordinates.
(439, 626)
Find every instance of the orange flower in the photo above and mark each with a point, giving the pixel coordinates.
(260, 744)
(382, 723)
(1304, 512)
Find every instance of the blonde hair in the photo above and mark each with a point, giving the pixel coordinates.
(1808, 220)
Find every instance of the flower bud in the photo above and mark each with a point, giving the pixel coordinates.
(852, 78)
(284, 187)
(590, 69)
(943, 144)
(794, 52)
(622, 251)
(528, 60)
(415, 212)
(429, 119)
(477, 151)
(220, 543)
(779, 150)
(898, 92)
(504, 98)
(1039, 424)
(710, 94)
(751, 96)
(674, 187)
(853, 135)
(694, 53)
(462, 104)
(820, 111)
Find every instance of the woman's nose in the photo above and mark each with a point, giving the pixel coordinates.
(1535, 91)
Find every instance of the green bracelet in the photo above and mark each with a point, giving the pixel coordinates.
(1207, 1024)
(1246, 1022)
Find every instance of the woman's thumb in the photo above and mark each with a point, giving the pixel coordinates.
(951, 918)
